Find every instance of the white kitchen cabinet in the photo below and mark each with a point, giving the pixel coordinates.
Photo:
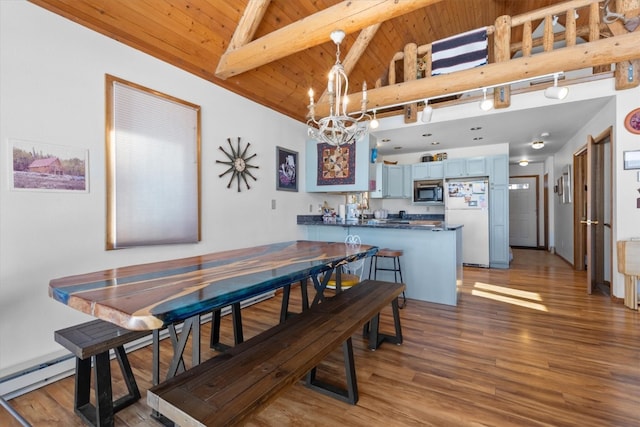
(407, 192)
(465, 167)
(390, 182)
(427, 170)
(454, 168)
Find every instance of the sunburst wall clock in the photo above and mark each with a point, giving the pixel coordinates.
(238, 162)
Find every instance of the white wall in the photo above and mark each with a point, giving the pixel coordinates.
(52, 90)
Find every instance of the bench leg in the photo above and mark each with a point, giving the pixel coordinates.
(371, 329)
(129, 379)
(350, 395)
(100, 415)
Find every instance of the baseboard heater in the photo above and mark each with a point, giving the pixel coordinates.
(40, 375)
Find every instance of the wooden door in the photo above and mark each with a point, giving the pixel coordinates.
(592, 212)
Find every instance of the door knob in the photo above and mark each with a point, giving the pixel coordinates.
(588, 222)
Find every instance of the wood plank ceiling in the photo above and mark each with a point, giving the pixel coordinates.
(195, 34)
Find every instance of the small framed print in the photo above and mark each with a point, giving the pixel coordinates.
(632, 159)
(287, 169)
(39, 166)
(632, 122)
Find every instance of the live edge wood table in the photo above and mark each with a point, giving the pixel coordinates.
(161, 294)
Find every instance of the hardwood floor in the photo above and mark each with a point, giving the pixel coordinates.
(524, 347)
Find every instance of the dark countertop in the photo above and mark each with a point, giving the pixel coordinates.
(413, 222)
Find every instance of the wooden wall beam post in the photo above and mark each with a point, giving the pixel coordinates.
(502, 53)
(410, 72)
(627, 73)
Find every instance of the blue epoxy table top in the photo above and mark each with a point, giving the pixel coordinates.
(150, 296)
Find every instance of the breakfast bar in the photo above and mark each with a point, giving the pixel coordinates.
(432, 259)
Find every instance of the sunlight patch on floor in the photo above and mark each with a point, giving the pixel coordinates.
(508, 295)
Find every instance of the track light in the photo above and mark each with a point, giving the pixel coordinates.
(523, 162)
(427, 112)
(374, 123)
(538, 144)
(486, 104)
(555, 91)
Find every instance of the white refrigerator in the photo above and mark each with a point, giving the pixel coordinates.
(467, 203)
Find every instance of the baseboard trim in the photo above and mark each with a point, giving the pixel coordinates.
(40, 375)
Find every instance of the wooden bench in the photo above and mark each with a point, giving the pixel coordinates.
(90, 342)
(227, 389)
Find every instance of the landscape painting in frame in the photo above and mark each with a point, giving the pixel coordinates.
(39, 166)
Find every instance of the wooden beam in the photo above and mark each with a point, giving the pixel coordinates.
(627, 73)
(601, 52)
(248, 24)
(313, 30)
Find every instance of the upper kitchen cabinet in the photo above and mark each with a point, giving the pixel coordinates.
(427, 170)
(338, 169)
(390, 181)
(469, 167)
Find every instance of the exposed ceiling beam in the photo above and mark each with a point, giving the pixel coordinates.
(600, 52)
(248, 24)
(349, 16)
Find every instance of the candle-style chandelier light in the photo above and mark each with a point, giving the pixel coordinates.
(338, 128)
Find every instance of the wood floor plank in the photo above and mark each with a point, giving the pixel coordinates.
(524, 347)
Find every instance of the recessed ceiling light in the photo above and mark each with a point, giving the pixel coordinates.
(544, 134)
(477, 138)
(476, 128)
(386, 140)
(426, 134)
(435, 143)
(397, 148)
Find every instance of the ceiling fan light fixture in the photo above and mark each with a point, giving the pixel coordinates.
(538, 144)
(486, 104)
(555, 91)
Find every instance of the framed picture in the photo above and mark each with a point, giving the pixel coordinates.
(632, 121)
(632, 159)
(287, 170)
(37, 166)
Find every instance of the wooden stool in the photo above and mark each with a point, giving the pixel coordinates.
(395, 255)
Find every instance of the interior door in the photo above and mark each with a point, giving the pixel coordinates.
(523, 211)
(594, 225)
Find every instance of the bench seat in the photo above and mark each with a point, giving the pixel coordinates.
(91, 342)
(228, 388)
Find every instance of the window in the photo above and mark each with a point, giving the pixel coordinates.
(153, 167)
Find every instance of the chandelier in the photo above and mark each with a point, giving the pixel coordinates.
(338, 128)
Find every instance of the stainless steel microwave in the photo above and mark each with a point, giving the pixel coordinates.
(428, 191)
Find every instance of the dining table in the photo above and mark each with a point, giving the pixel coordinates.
(163, 294)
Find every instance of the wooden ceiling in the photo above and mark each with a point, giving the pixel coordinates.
(195, 34)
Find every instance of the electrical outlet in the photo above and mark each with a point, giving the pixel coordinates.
(273, 204)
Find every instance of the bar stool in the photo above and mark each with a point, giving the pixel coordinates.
(395, 255)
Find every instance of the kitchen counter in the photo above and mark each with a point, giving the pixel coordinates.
(432, 258)
(392, 223)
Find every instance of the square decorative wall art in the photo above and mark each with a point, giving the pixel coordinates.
(39, 166)
(287, 169)
(336, 165)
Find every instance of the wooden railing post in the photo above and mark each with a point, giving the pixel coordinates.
(627, 73)
(502, 53)
(410, 72)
